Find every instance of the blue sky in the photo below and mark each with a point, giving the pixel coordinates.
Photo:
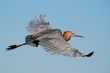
(90, 18)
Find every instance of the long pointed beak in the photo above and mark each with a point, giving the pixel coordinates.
(78, 36)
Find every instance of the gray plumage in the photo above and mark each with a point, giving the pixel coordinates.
(50, 39)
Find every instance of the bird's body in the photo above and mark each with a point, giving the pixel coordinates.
(53, 41)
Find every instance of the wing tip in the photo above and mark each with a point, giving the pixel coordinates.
(90, 54)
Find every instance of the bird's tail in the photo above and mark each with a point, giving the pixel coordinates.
(11, 47)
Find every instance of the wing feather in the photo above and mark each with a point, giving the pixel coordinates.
(37, 25)
(59, 46)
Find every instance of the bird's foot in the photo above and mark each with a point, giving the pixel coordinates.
(11, 47)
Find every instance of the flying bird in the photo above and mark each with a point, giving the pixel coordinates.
(52, 40)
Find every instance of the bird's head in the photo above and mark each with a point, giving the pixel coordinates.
(68, 34)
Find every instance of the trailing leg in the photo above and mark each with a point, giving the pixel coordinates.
(11, 47)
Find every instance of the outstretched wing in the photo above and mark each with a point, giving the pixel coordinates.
(37, 25)
(58, 45)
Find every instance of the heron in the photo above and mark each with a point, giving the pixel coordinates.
(52, 40)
